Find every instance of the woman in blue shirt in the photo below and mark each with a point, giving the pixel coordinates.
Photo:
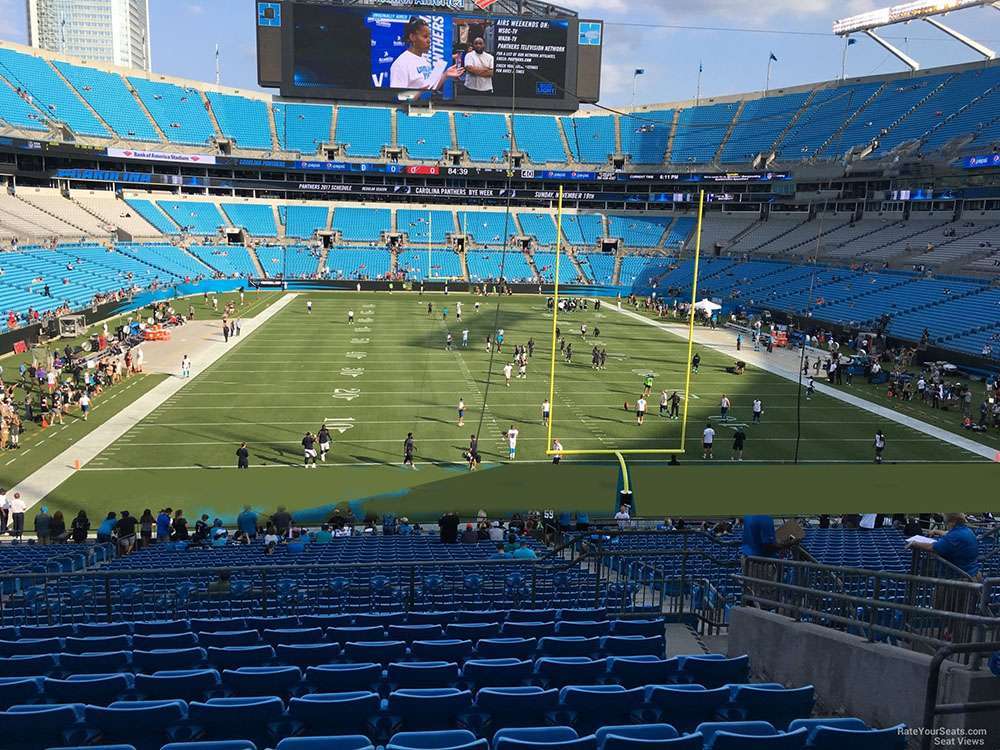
(106, 527)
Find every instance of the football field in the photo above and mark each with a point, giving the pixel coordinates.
(389, 373)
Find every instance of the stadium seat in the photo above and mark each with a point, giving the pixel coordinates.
(293, 636)
(103, 629)
(359, 634)
(593, 706)
(441, 650)
(472, 631)
(15, 690)
(637, 627)
(183, 684)
(234, 657)
(633, 736)
(516, 706)
(524, 629)
(636, 671)
(713, 672)
(28, 666)
(381, 652)
(31, 647)
(410, 633)
(779, 706)
(331, 678)
(632, 645)
(583, 628)
(686, 706)
(451, 739)
(341, 742)
(506, 648)
(92, 644)
(217, 624)
(96, 663)
(118, 720)
(333, 713)
(97, 689)
(537, 738)
(223, 718)
(433, 708)
(212, 745)
(160, 641)
(249, 681)
(154, 627)
(829, 735)
(307, 654)
(497, 672)
(428, 674)
(168, 658)
(35, 726)
(222, 638)
(569, 670)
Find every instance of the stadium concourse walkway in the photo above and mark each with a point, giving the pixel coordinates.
(38, 485)
(785, 363)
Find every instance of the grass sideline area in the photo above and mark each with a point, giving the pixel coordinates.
(389, 374)
(40, 446)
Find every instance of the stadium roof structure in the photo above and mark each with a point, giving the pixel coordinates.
(498, 7)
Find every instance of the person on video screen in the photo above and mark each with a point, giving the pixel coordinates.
(412, 69)
(479, 68)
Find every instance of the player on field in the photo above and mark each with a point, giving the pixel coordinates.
(664, 401)
(707, 439)
(695, 363)
(458, 311)
(447, 342)
(647, 385)
(477, 305)
(350, 317)
(408, 448)
(461, 412)
(323, 436)
(569, 354)
(758, 410)
(508, 370)
(186, 366)
(556, 447)
(522, 366)
(879, 446)
(531, 347)
(309, 450)
(583, 330)
(472, 454)
(465, 338)
(309, 306)
(595, 359)
(724, 404)
(430, 308)
(810, 389)
(546, 409)
(511, 436)
(640, 410)
(675, 405)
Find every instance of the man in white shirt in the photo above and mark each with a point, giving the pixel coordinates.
(758, 409)
(546, 408)
(623, 518)
(508, 370)
(511, 436)
(17, 508)
(708, 438)
(640, 410)
(479, 68)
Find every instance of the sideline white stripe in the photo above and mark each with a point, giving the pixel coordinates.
(35, 487)
(763, 362)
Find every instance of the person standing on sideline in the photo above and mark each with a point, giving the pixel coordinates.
(186, 366)
(447, 342)
(461, 412)
(758, 410)
(309, 307)
(472, 454)
(708, 438)
(4, 511)
(724, 405)
(242, 457)
(664, 402)
(17, 508)
(43, 523)
(408, 449)
(85, 405)
(739, 439)
(879, 445)
(511, 436)
(556, 447)
(675, 405)
(647, 385)
(309, 450)
(739, 341)
(508, 370)
(810, 389)
(225, 331)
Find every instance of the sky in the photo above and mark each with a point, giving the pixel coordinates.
(732, 39)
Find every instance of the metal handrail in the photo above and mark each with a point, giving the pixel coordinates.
(932, 709)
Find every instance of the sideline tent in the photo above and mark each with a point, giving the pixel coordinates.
(707, 306)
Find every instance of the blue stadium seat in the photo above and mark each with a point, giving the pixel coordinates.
(118, 721)
(93, 644)
(472, 631)
(484, 135)
(687, 706)
(583, 628)
(234, 657)
(537, 738)
(522, 629)
(450, 739)
(570, 670)
(635, 671)
(31, 647)
(261, 680)
(332, 713)
(212, 745)
(633, 736)
(28, 666)
(633, 645)
(302, 127)
(356, 634)
(441, 650)
(714, 672)
(223, 718)
(638, 627)
(168, 658)
(180, 112)
(381, 652)
(330, 678)
(94, 689)
(293, 635)
(16, 690)
(242, 119)
(363, 131)
(506, 648)
(497, 672)
(223, 638)
(779, 706)
(410, 633)
(431, 708)
(427, 674)
(154, 627)
(37, 726)
(161, 641)
(593, 706)
(833, 734)
(517, 706)
(107, 94)
(568, 646)
(340, 742)
(307, 654)
(183, 684)
(103, 629)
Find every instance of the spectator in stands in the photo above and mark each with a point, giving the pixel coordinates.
(323, 536)
(179, 527)
(219, 535)
(201, 529)
(622, 517)
(469, 536)
(759, 539)
(448, 525)
(107, 527)
(146, 523)
(523, 552)
(958, 545)
(247, 522)
(125, 531)
(43, 523)
(81, 527)
(163, 525)
(57, 528)
(271, 538)
(282, 521)
(496, 532)
(501, 552)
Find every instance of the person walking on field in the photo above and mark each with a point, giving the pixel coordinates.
(242, 457)
(739, 439)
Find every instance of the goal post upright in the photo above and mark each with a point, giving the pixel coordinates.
(555, 322)
(691, 312)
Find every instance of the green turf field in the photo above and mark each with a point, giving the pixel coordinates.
(389, 374)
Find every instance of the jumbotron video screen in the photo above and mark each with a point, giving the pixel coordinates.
(334, 51)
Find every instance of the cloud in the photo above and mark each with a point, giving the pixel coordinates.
(195, 9)
(733, 12)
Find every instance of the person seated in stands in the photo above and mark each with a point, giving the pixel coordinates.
(958, 545)
(271, 538)
(219, 535)
(201, 530)
(323, 535)
(404, 528)
(469, 535)
(220, 586)
(524, 552)
(501, 553)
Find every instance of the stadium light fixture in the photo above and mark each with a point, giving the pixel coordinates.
(919, 10)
